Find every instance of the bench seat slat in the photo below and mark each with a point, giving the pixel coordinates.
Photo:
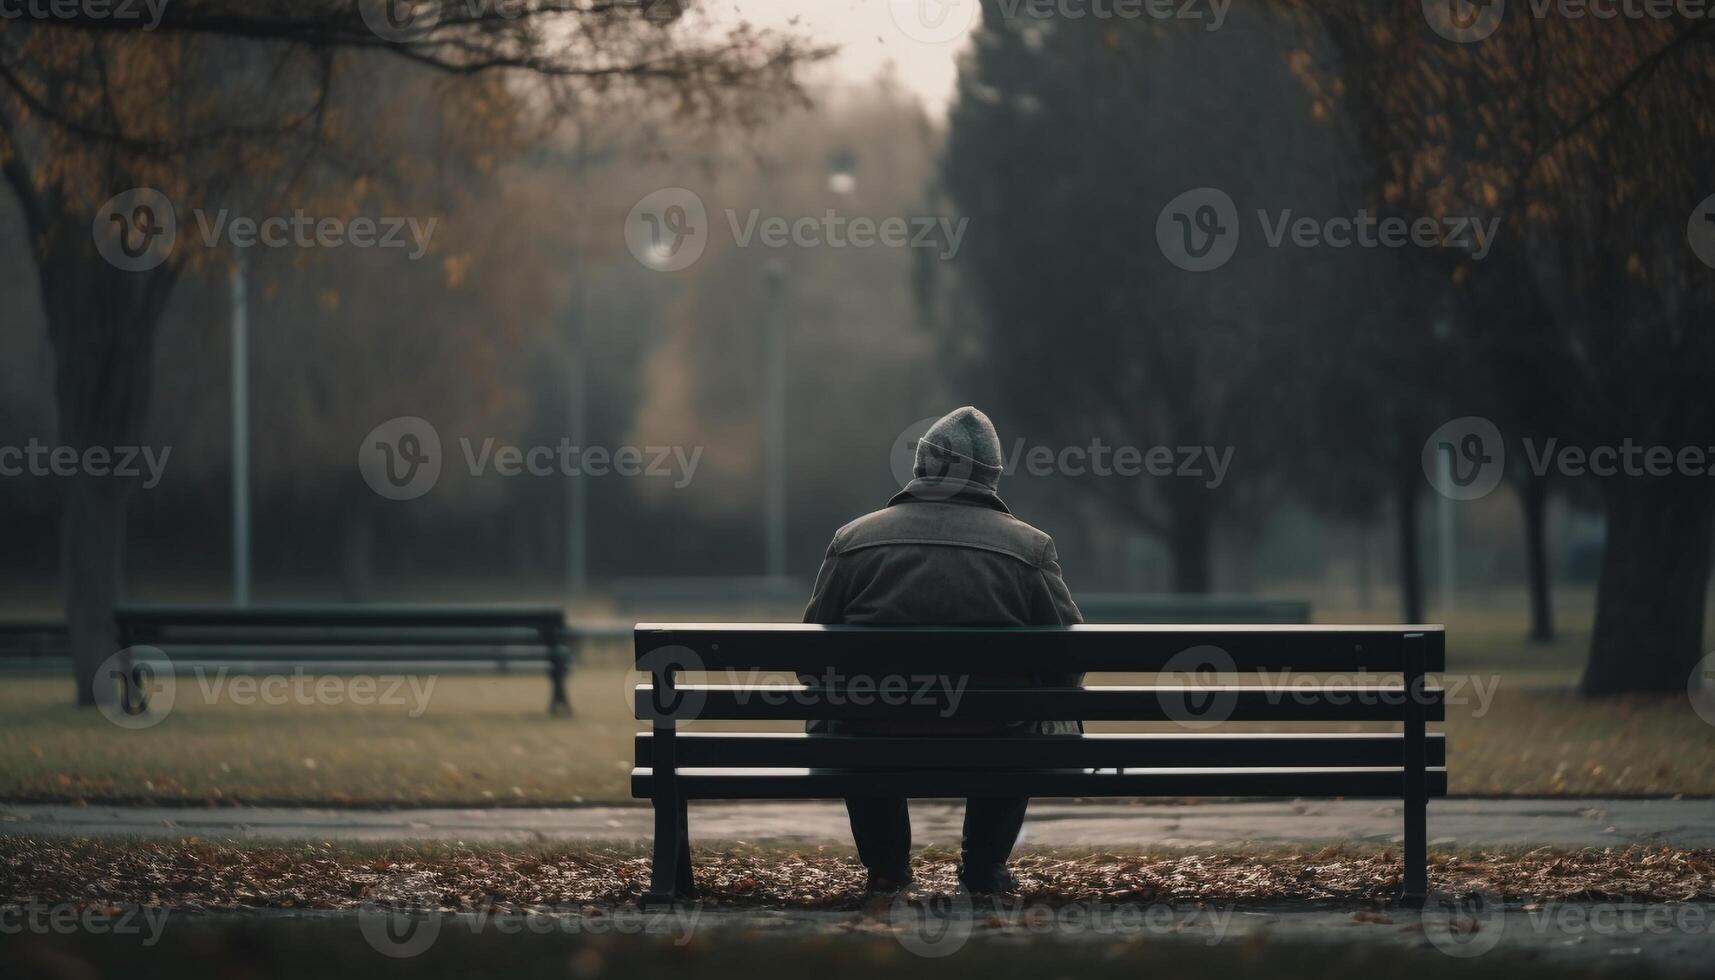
(724, 702)
(792, 784)
(774, 749)
(1089, 648)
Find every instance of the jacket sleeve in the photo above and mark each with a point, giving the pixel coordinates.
(827, 605)
(1054, 607)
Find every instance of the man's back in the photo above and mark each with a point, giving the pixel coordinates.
(963, 561)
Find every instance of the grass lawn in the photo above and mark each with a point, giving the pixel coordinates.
(484, 739)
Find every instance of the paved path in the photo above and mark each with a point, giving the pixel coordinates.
(1458, 822)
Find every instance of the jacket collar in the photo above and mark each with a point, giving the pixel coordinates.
(949, 491)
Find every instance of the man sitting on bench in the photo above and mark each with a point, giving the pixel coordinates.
(945, 551)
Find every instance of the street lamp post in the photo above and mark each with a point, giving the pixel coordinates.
(774, 424)
(240, 371)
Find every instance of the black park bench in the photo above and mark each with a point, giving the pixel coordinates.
(359, 637)
(674, 767)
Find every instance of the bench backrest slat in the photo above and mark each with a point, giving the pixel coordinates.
(1090, 648)
(1207, 750)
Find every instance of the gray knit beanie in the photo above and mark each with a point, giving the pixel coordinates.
(962, 445)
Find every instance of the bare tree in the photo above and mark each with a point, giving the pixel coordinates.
(223, 97)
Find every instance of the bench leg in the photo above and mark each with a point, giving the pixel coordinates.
(1415, 880)
(670, 868)
(558, 667)
(683, 883)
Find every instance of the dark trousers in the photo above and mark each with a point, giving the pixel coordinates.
(882, 829)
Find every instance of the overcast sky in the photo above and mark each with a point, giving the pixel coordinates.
(920, 38)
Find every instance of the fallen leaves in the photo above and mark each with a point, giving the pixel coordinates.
(203, 875)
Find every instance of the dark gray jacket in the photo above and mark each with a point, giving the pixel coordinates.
(946, 553)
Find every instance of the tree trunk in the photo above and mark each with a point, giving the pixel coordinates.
(1410, 559)
(1533, 497)
(92, 553)
(1650, 598)
(101, 322)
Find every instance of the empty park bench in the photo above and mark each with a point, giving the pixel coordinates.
(358, 638)
(32, 645)
(674, 767)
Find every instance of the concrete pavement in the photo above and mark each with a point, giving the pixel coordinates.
(1468, 823)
